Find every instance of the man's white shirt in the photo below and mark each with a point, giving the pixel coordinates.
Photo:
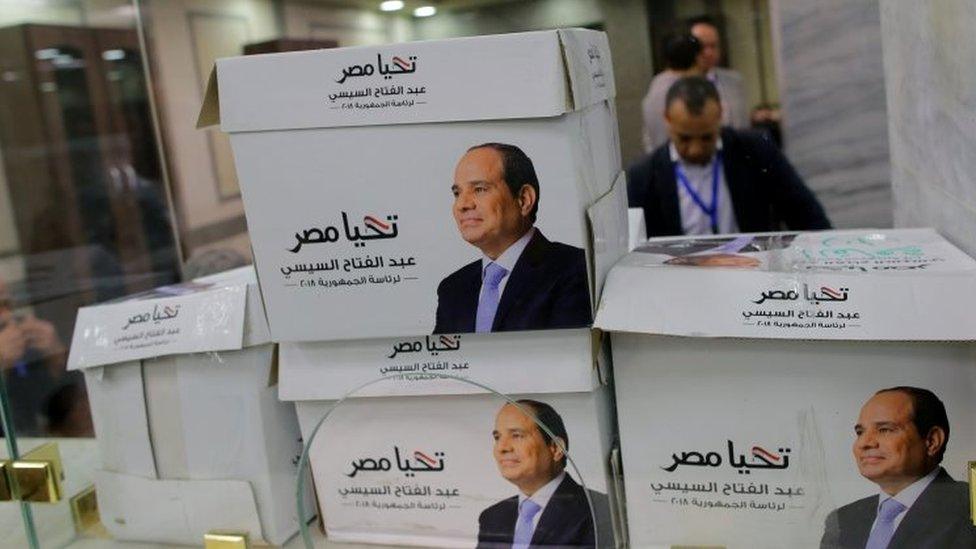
(507, 260)
(541, 497)
(693, 219)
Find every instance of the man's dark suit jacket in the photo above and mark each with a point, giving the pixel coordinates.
(764, 187)
(565, 522)
(939, 519)
(546, 289)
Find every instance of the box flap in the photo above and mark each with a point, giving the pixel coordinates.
(210, 111)
(118, 410)
(550, 361)
(588, 65)
(174, 511)
(902, 284)
(186, 318)
(609, 231)
(256, 330)
(508, 76)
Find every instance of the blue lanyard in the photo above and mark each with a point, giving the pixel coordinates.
(710, 210)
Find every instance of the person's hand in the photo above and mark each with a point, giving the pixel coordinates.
(41, 336)
(13, 345)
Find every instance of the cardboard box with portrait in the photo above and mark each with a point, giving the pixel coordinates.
(425, 471)
(370, 213)
(420, 413)
(747, 401)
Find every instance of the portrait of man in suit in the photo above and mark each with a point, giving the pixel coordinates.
(902, 433)
(551, 509)
(523, 281)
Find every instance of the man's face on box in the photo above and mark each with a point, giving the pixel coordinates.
(487, 214)
(889, 450)
(521, 452)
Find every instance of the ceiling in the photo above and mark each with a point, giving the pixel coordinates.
(441, 5)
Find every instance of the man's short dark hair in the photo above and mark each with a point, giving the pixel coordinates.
(927, 412)
(681, 50)
(517, 170)
(694, 92)
(548, 416)
(701, 20)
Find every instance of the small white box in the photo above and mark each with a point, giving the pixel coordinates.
(191, 434)
(346, 159)
(741, 365)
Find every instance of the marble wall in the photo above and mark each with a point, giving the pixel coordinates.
(832, 90)
(929, 50)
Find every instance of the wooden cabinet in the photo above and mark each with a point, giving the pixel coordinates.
(82, 167)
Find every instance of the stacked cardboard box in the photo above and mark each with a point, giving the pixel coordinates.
(742, 363)
(347, 160)
(191, 434)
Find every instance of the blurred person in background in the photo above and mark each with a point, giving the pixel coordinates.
(681, 51)
(729, 82)
(765, 118)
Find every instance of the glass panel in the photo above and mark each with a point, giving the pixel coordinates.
(84, 218)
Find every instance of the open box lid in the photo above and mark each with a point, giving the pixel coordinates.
(522, 75)
(897, 284)
(222, 312)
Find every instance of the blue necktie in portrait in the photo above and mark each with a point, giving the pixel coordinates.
(884, 529)
(524, 528)
(488, 302)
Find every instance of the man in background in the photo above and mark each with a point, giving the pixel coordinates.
(681, 51)
(735, 112)
(713, 180)
(902, 433)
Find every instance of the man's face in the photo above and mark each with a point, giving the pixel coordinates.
(889, 450)
(710, 53)
(522, 455)
(694, 136)
(486, 213)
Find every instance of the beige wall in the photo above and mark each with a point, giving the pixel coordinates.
(9, 241)
(15, 12)
(350, 27)
(185, 37)
(626, 24)
(512, 17)
(11, 262)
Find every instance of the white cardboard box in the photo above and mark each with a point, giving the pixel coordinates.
(191, 434)
(440, 507)
(346, 159)
(738, 387)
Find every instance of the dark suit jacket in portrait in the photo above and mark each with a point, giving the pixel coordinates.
(565, 522)
(939, 519)
(546, 289)
(764, 187)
